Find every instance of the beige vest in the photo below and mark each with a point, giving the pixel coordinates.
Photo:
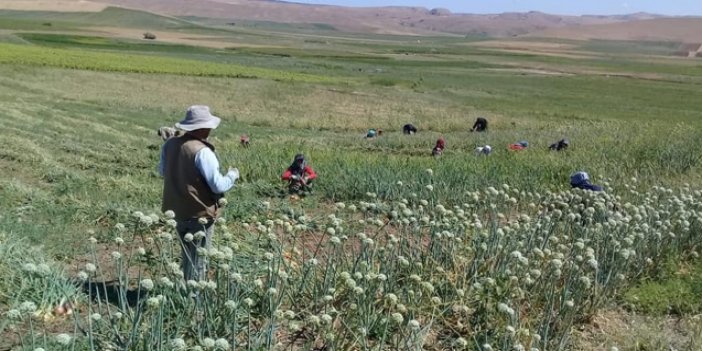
(185, 191)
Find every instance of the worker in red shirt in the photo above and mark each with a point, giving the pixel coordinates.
(439, 148)
(299, 176)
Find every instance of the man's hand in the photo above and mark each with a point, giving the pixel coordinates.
(233, 174)
(294, 177)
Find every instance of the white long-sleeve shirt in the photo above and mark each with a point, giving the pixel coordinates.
(208, 166)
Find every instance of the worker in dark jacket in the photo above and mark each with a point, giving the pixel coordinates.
(480, 125)
(560, 145)
(409, 129)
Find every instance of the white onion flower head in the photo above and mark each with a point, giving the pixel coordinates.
(63, 339)
(82, 276)
(153, 302)
(461, 343)
(414, 324)
(208, 343)
(27, 307)
(585, 281)
(230, 305)
(146, 220)
(592, 263)
(222, 344)
(14, 314)
(177, 344)
(90, 268)
(146, 284)
(314, 320)
(29, 267)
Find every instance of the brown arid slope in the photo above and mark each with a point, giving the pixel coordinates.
(382, 20)
(688, 29)
(52, 5)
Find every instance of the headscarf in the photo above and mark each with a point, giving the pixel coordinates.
(298, 166)
(579, 178)
(440, 144)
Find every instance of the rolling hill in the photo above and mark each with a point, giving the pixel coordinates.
(381, 20)
(397, 20)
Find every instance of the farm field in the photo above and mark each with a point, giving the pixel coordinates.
(394, 250)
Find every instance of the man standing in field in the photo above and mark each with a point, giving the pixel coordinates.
(193, 186)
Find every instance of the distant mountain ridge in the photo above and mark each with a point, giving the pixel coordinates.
(381, 20)
(409, 20)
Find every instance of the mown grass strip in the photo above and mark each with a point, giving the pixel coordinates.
(113, 62)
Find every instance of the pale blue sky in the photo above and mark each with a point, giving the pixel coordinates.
(570, 7)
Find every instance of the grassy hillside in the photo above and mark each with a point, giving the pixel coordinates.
(111, 16)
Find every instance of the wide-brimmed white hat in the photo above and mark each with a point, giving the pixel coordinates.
(198, 117)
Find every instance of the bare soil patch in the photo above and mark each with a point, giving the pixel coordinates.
(52, 5)
(531, 71)
(671, 29)
(628, 331)
(168, 37)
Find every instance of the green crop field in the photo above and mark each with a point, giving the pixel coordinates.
(394, 249)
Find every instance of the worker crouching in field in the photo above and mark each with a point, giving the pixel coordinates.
(299, 176)
(409, 129)
(483, 150)
(193, 187)
(560, 145)
(480, 125)
(520, 145)
(372, 133)
(439, 148)
(581, 180)
(244, 141)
